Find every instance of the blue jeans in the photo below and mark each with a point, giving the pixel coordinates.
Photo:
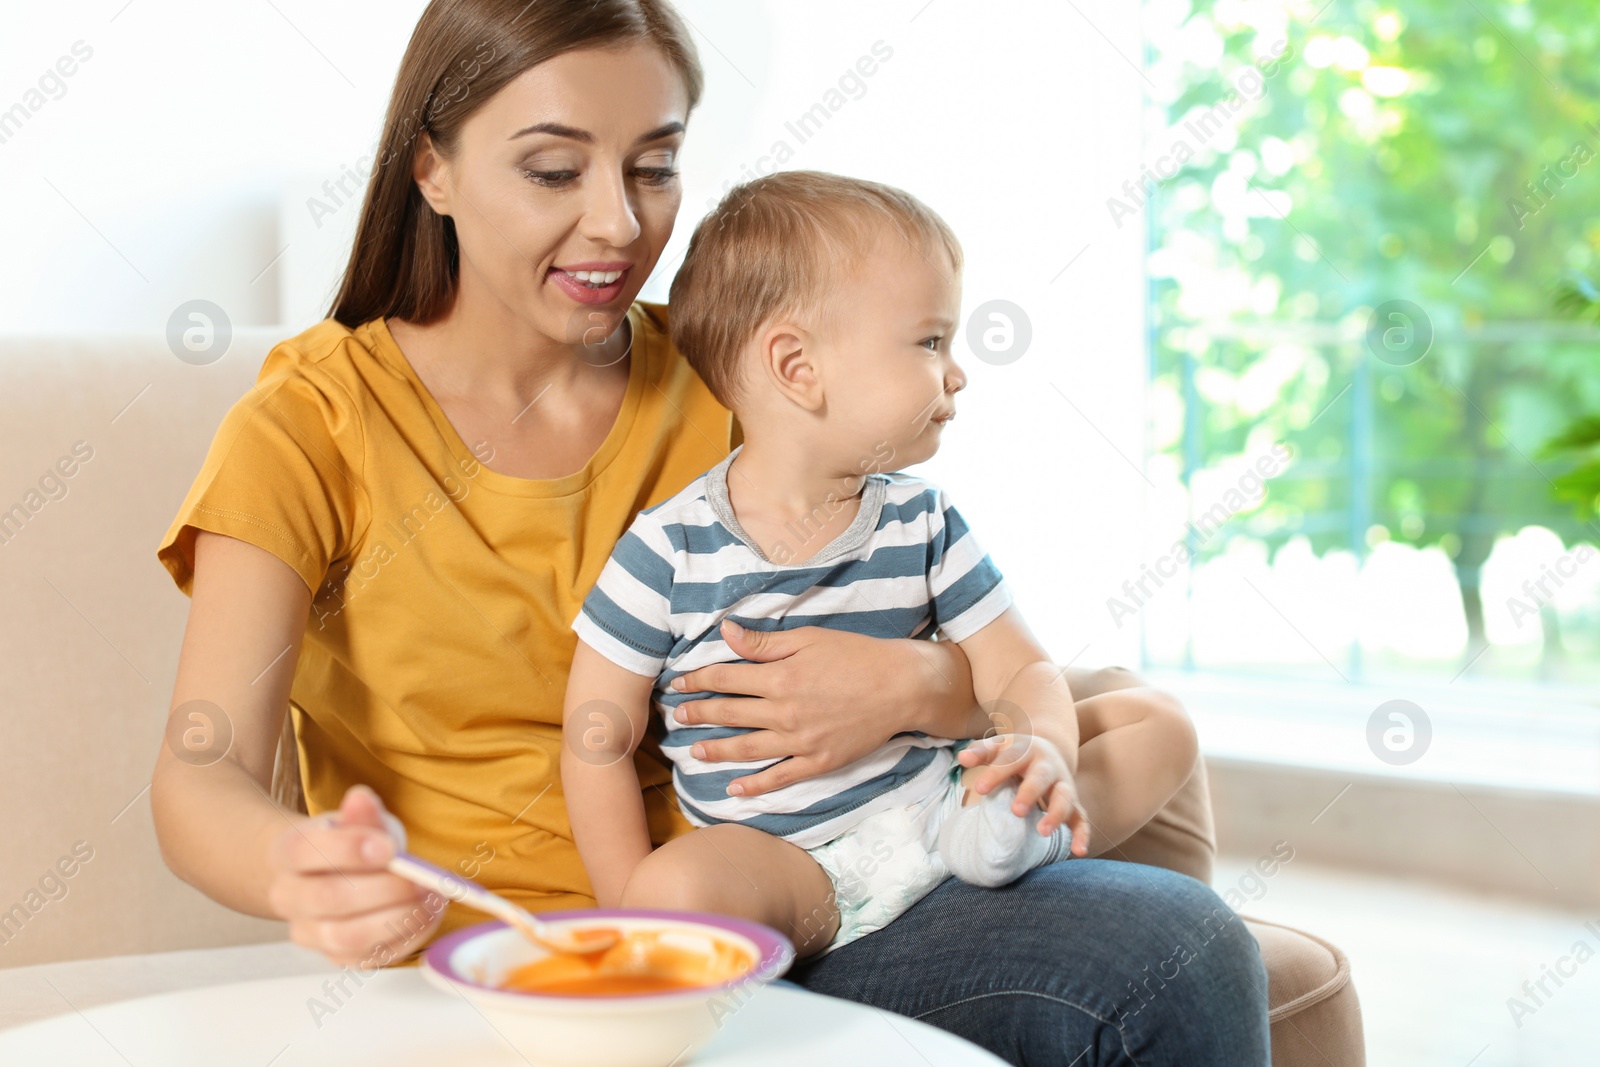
(1087, 963)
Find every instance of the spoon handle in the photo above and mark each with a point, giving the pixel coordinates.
(454, 887)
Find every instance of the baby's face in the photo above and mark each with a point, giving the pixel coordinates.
(888, 373)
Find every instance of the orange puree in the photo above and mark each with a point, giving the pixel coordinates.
(641, 962)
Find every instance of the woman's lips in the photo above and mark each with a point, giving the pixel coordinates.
(585, 295)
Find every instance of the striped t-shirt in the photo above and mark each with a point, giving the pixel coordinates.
(905, 567)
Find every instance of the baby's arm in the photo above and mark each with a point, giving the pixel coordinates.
(606, 712)
(1026, 696)
(1125, 753)
(1116, 757)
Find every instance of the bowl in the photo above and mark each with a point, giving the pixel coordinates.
(583, 1030)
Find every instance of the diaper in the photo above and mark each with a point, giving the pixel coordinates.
(887, 862)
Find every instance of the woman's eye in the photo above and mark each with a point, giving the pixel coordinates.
(551, 178)
(557, 178)
(656, 175)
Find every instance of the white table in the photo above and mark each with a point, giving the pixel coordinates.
(398, 1020)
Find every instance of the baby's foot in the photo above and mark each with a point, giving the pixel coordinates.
(985, 843)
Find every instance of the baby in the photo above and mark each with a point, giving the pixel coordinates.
(821, 311)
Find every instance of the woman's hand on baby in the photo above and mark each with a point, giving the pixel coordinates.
(330, 882)
(1045, 781)
(806, 695)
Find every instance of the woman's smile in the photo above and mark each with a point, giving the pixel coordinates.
(592, 283)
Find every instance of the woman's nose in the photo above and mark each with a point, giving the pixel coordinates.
(608, 216)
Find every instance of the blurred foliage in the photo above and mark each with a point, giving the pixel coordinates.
(1577, 296)
(1437, 152)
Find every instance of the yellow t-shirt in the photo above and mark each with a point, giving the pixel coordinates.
(438, 644)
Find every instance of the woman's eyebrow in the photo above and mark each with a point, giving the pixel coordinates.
(556, 129)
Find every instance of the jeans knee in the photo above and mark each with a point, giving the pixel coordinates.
(1198, 992)
(1213, 940)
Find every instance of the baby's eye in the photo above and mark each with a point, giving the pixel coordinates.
(934, 341)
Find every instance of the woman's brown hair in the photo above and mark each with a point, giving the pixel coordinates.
(404, 261)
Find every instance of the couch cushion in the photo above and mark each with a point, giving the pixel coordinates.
(91, 635)
(1316, 1018)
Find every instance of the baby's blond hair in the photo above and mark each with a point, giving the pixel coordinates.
(778, 245)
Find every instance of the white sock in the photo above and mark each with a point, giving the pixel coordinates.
(986, 844)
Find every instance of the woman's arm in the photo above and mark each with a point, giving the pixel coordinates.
(606, 711)
(826, 698)
(939, 695)
(214, 819)
(218, 828)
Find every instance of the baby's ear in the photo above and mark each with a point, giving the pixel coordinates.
(789, 361)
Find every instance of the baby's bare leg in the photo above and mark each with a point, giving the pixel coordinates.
(740, 871)
(1136, 748)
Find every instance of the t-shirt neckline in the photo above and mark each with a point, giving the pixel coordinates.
(874, 491)
(566, 485)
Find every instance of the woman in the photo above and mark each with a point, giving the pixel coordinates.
(394, 528)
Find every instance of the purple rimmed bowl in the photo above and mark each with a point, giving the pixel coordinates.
(577, 1030)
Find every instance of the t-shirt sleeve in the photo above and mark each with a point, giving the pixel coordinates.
(627, 616)
(965, 588)
(284, 473)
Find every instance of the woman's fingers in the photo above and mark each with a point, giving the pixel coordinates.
(725, 711)
(342, 896)
(359, 837)
(776, 776)
(360, 806)
(331, 885)
(377, 936)
(313, 846)
(756, 745)
(744, 678)
(760, 675)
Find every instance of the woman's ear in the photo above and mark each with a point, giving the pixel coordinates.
(432, 175)
(788, 356)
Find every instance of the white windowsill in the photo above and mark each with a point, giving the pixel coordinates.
(1524, 738)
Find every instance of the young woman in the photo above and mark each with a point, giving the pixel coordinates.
(393, 530)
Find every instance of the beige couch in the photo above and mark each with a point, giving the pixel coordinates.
(99, 440)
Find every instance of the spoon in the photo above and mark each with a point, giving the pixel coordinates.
(454, 887)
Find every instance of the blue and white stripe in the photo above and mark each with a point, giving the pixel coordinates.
(906, 567)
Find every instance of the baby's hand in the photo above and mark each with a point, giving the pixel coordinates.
(1046, 781)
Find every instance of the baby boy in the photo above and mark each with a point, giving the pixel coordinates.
(822, 311)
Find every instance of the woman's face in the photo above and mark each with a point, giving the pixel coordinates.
(571, 167)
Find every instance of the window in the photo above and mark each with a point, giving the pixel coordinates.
(1358, 218)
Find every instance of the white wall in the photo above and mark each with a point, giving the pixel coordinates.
(176, 164)
(152, 175)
